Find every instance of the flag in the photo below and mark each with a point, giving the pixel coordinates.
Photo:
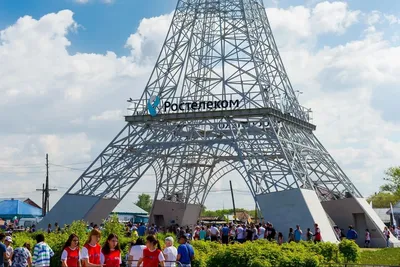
(370, 203)
(393, 219)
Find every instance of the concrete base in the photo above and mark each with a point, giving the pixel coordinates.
(358, 213)
(296, 206)
(167, 213)
(74, 207)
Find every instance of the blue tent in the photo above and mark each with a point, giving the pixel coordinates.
(11, 208)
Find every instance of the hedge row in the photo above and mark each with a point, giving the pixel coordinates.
(252, 254)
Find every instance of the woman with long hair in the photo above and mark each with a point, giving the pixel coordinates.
(70, 255)
(110, 255)
(90, 255)
(136, 252)
(152, 254)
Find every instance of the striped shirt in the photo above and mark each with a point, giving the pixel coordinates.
(42, 254)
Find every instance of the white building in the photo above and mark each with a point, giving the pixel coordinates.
(128, 211)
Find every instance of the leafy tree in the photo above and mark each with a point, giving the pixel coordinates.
(145, 202)
(383, 199)
(393, 179)
(222, 212)
(389, 192)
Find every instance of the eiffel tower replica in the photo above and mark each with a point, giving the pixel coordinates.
(219, 100)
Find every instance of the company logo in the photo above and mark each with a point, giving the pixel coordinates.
(152, 104)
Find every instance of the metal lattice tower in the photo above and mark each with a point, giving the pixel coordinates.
(218, 100)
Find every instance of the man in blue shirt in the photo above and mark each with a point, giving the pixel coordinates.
(142, 229)
(351, 233)
(297, 234)
(3, 254)
(225, 234)
(185, 252)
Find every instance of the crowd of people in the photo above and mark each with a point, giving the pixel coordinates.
(145, 252)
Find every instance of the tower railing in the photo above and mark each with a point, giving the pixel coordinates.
(214, 102)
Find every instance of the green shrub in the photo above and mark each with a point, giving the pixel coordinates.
(260, 253)
(329, 251)
(350, 251)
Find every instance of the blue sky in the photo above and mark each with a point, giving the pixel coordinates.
(105, 27)
(356, 77)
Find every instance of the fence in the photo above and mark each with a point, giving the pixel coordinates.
(167, 263)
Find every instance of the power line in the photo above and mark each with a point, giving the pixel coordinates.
(40, 165)
(66, 167)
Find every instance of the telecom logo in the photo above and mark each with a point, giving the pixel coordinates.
(152, 105)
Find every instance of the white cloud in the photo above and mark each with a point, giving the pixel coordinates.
(373, 18)
(148, 38)
(81, 1)
(333, 17)
(70, 105)
(392, 19)
(108, 115)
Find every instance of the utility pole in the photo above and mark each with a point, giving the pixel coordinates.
(47, 184)
(46, 191)
(233, 202)
(43, 203)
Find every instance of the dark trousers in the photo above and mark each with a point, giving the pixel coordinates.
(225, 239)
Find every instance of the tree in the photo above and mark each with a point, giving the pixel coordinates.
(393, 179)
(389, 192)
(145, 202)
(383, 199)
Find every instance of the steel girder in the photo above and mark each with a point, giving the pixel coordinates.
(188, 158)
(217, 50)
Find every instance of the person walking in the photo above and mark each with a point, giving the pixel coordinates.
(110, 255)
(136, 252)
(71, 255)
(298, 234)
(317, 234)
(367, 238)
(386, 233)
(9, 250)
(291, 235)
(3, 250)
(225, 234)
(170, 252)
(90, 253)
(351, 234)
(22, 256)
(42, 253)
(185, 253)
(152, 254)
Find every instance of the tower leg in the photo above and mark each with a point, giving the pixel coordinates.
(361, 216)
(286, 209)
(167, 213)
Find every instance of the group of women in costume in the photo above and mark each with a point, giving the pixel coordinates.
(108, 255)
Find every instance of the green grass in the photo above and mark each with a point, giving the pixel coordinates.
(385, 256)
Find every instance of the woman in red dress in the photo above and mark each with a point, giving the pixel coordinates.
(152, 254)
(70, 256)
(90, 253)
(110, 255)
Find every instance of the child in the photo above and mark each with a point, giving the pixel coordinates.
(309, 234)
(367, 238)
(280, 238)
(111, 252)
(71, 254)
(152, 254)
